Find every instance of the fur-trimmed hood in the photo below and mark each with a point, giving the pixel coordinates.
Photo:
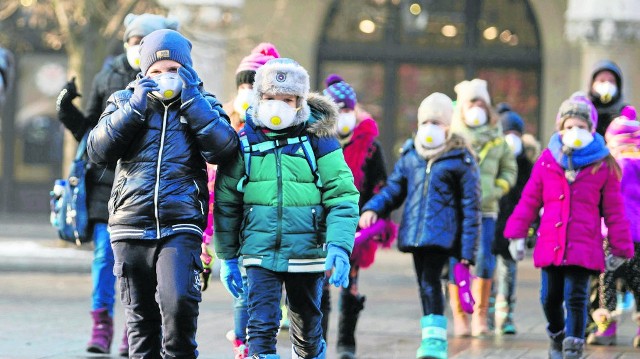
(324, 115)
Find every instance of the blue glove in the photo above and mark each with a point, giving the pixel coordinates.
(190, 83)
(230, 277)
(338, 259)
(138, 100)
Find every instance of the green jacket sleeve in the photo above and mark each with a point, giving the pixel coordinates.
(507, 168)
(228, 208)
(340, 199)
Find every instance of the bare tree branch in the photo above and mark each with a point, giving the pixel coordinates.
(114, 24)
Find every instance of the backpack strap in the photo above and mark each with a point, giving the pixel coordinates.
(248, 149)
(82, 146)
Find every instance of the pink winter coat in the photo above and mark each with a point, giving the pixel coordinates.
(208, 231)
(569, 232)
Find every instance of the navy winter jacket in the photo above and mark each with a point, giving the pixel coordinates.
(161, 179)
(442, 207)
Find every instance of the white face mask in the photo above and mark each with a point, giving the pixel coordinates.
(515, 143)
(275, 114)
(475, 116)
(242, 102)
(346, 123)
(606, 90)
(430, 135)
(133, 56)
(170, 85)
(577, 138)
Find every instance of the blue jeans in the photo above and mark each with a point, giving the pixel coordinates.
(428, 265)
(505, 284)
(485, 260)
(569, 286)
(304, 292)
(102, 270)
(160, 292)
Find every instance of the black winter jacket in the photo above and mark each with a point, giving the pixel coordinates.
(112, 78)
(161, 180)
(610, 110)
(442, 207)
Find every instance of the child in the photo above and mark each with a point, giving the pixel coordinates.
(623, 140)
(160, 130)
(474, 120)
(357, 133)
(284, 206)
(506, 267)
(439, 179)
(576, 181)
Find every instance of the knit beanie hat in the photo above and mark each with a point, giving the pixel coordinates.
(469, 90)
(164, 45)
(436, 106)
(283, 76)
(579, 106)
(511, 120)
(144, 24)
(624, 130)
(246, 71)
(340, 92)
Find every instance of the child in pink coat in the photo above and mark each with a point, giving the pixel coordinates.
(576, 181)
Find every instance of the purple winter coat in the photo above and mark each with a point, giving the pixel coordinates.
(630, 188)
(569, 232)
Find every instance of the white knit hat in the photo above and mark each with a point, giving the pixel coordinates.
(436, 106)
(469, 90)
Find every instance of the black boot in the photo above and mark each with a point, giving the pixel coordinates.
(350, 308)
(325, 307)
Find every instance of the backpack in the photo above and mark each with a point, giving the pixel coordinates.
(248, 149)
(68, 201)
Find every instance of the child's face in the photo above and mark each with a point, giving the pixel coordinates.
(163, 66)
(433, 122)
(572, 122)
(290, 100)
(245, 87)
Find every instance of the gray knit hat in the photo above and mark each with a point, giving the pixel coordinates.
(283, 76)
(164, 45)
(144, 24)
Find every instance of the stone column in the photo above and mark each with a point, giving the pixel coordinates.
(204, 23)
(607, 30)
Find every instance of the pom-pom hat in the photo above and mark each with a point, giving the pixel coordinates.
(340, 92)
(246, 71)
(144, 24)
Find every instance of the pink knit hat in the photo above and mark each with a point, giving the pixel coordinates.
(624, 130)
(246, 71)
(579, 106)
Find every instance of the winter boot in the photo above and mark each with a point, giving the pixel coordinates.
(325, 308)
(321, 355)
(636, 339)
(503, 313)
(240, 349)
(102, 332)
(284, 322)
(460, 320)
(350, 308)
(606, 333)
(123, 349)
(481, 289)
(434, 337)
(572, 348)
(555, 345)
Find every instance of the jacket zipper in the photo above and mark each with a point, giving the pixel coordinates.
(156, 189)
(277, 153)
(198, 196)
(422, 199)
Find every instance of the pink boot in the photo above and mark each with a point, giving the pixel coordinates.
(123, 349)
(240, 349)
(102, 332)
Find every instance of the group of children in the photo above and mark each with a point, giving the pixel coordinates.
(299, 173)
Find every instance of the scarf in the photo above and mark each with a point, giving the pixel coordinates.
(358, 149)
(571, 159)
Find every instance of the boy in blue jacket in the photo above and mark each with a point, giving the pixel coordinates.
(438, 177)
(160, 130)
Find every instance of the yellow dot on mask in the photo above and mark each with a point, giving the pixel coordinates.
(606, 98)
(429, 139)
(345, 129)
(476, 121)
(577, 143)
(275, 120)
(245, 106)
(168, 93)
(137, 62)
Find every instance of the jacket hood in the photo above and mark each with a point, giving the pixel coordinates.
(121, 65)
(606, 65)
(324, 115)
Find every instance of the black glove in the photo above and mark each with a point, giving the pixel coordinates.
(67, 94)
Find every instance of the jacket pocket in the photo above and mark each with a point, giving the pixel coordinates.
(120, 272)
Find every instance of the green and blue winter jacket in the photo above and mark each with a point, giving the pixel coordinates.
(283, 220)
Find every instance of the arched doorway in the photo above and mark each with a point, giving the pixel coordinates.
(396, 52)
